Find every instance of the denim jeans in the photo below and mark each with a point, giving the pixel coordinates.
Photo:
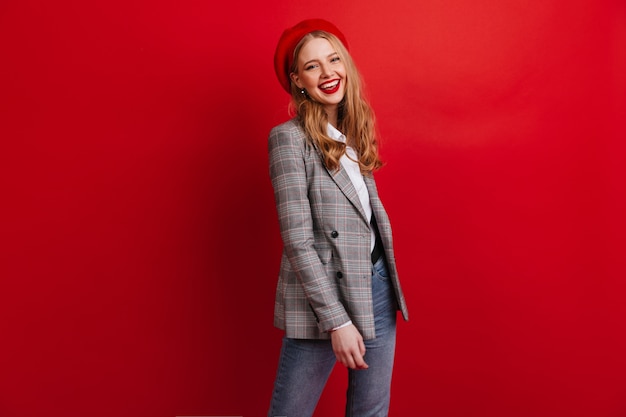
(305, 365)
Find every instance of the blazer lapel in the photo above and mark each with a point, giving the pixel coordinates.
(377, 209)
(343, 181)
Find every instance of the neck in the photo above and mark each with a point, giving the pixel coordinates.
(332, 116)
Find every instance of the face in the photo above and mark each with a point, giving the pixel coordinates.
(321, 73)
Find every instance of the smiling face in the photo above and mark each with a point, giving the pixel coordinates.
(321, 72)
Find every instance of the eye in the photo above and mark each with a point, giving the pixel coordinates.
(335, 59)
(310, 67)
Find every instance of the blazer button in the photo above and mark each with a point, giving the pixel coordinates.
(339, 274)
(334, 234)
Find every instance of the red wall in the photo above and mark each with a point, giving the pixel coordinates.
(140, 238)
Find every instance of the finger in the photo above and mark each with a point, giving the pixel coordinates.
(362, 350)
(361, 346)
(359, 362)
(349, 362)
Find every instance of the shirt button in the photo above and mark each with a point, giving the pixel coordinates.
(334, 234)
(339, 274)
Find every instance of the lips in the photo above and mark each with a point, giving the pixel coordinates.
(330, 87)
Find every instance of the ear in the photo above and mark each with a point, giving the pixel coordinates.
(295, 79)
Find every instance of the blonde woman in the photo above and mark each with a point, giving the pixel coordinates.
(338, 291)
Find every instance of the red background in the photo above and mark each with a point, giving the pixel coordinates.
(140, 241)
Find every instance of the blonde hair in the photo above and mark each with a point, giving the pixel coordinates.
(355, 117)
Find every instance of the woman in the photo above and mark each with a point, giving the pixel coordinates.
(338, 290)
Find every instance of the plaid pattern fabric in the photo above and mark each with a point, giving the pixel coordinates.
(325, 271)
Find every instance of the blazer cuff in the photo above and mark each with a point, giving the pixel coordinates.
(349, 322)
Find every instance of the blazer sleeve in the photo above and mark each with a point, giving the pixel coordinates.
(287, 162)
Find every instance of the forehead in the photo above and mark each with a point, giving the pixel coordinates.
(315, 48)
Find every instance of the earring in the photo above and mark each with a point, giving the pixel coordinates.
(303, 91)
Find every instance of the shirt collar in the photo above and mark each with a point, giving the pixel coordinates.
(333, 133)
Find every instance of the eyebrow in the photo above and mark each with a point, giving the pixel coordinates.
(314, 60)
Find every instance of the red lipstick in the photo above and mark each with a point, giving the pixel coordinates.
(331, 90)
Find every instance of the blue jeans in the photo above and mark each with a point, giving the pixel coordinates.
(305, 365)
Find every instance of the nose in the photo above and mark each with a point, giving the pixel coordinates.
(326, 70)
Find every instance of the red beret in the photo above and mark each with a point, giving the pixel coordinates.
(283, 57)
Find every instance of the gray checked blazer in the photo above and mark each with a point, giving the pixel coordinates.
(325, 271)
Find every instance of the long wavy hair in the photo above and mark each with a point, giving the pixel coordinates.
(355, 119)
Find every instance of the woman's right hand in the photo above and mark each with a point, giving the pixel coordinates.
(349, 347)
